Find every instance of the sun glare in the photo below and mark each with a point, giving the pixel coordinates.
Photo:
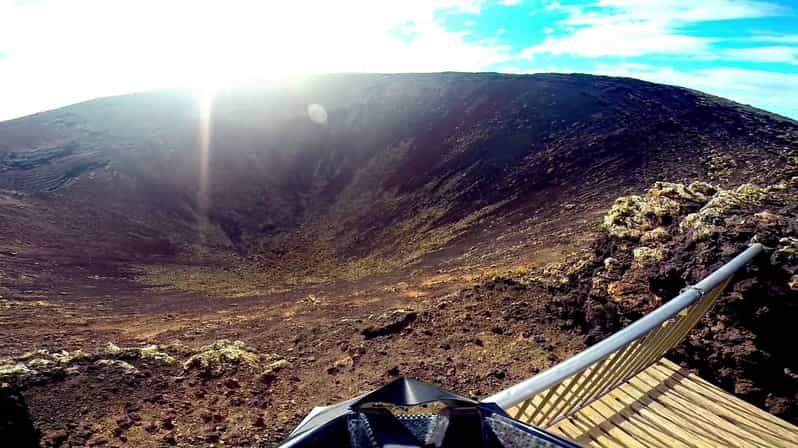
(205, 98)
(205, 95)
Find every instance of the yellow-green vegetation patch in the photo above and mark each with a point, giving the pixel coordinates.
(631, 216)
(153, 352)
(222, 356)
(66, 357)
(116, 363)
(644, 217)
(647, 256)
(655, 235)
(13, 369)
(39, 362)
(696, 192)
(707, 222)
(786, 255)
(28, 355)
(276, 366)
(788, 248)
(8, 304)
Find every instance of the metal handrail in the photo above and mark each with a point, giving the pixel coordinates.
(622, 340)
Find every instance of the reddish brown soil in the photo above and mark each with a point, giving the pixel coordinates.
(474, 342)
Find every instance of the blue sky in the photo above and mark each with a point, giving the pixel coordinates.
(56, 52)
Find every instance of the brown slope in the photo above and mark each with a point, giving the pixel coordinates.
(404, 164)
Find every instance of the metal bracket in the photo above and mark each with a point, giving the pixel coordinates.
(701, 292)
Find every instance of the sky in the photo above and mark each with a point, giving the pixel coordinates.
(58, 52)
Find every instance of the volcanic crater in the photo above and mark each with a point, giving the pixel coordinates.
(183, 271)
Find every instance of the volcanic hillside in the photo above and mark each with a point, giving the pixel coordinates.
(401, 166)
(296, 214)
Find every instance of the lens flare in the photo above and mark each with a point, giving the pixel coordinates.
(205, 99)
(317, 114)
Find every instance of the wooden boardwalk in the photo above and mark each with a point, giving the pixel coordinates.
(665, 406)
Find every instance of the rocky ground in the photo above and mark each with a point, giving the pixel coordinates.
(235, 393)
(228, 379)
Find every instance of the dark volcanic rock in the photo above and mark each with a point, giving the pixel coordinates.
(742, 344)
(16, 426)
(390, 323)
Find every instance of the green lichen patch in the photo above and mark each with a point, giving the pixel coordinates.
(43, 363)
(222, 356)
(655, 235)
(709, 221)
(23, 304)
(150, 352)
(125, 366)
(13, 369)
(698, 192)
(631, 216)
(647, 217)
(647, 256)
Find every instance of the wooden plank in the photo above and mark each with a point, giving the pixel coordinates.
(666, 406)
(661, 420)
(581, 432)
(672, 398)
(699, 422)
(734, 404)
(572, 431)
(625, 418)
(609, 436)
(735, 412)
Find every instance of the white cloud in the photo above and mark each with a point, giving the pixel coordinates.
(620, 39)
(548, 30)
(501, 31)
(521, 71)
(782, 39)
(510, 2)
(759, 88)
(782, 54)
(637, 27)
(692, 10)
(58, 52)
